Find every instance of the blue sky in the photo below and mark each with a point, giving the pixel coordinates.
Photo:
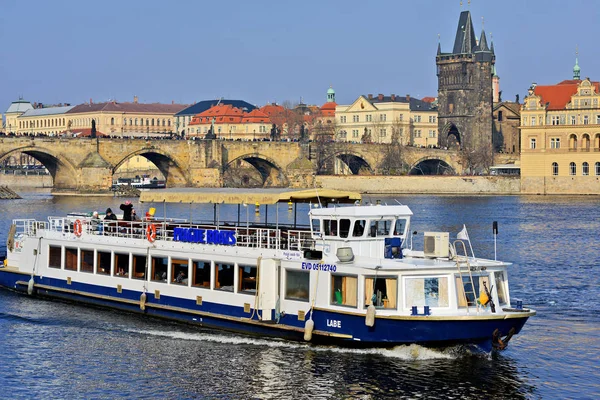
(265, 51)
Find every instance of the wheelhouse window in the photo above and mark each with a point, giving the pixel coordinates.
(499, 278)
(159, 269)
(359, 228)
(344, 290)
(467, 294)
(54, 256)
(316, 226)
(122, 265)
(431, 292)
(247, 279)
(554, 168)
(330, 227)
(381, 291)
(297, 285)
(139, 266)
(201, 274)
(70, 259)
(344, 227)
(224, 276)
(87, 261)
(380, 227)
(103, 264)
(399, 227)
(179, 271)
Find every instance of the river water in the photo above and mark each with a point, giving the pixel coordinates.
(61, 350)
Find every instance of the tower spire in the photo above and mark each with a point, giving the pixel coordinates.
(576, 69)
(439, 51)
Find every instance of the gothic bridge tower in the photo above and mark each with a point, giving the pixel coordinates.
(465, 95)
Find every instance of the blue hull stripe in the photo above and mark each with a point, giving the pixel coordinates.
(330, 326)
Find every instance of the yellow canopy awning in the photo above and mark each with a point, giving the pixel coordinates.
(246, 196)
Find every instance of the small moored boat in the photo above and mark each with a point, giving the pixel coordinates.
(350, 278)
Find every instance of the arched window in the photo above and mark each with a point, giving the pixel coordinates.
(598, 169)
(555, 168)
(585, 142)
(147, 122)
(152, 121)
(585, 169)
(63, 122)
(597, 142)
(572, 169)
(131, 121)
(112, 121)
(169, 122)
(573, 142)
(136, 122)
(164, 122)
(124, 121)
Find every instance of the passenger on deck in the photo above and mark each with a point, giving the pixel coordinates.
(95, 221)
(109, 215)
(127, 210)
(134, 216)
(181, 277)
(109, 218)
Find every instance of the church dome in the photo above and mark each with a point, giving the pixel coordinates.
(330, 90)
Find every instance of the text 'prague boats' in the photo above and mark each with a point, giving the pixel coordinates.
(350, 278)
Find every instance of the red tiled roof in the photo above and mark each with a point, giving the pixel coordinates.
(255, 116)
(558, 96)
(271, 109)
(328, 109)
(153, 108)
(222, 114)
(84, 132)
(428, 99)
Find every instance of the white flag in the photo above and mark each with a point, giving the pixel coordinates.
(463, 235)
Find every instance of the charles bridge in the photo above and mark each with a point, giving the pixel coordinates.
(88, 165)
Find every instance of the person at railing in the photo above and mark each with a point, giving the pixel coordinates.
(110, 221)
(134, 216)
(127, 210)
(95, 222)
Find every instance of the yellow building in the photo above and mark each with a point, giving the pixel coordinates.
(112, 118)
(382, 119)
(560, 138)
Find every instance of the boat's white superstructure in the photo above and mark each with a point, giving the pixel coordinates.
(351, 277)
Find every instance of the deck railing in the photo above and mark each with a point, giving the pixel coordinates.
(258, 237)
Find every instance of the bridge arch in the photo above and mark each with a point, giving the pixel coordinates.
(267, 172)
(165, 163)
(64, 174)
(352, 162)
(431, 166)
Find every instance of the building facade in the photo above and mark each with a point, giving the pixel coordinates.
(386, 119)
(506, 133)
(184, 117)
(560, 138)
(465, 89)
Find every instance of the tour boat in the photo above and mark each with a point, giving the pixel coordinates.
(350, 277)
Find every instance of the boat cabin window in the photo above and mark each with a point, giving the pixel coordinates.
(316, 226)
(330, 227)
(400, 227)
(344, 290)
(467, 294)
(224, 276)
(380, 227)
(179, 271)
(381, 291)
(431, 292)
(87, 260)
(139, 266)
(159, 269)
(54, 256)
(201, 276)
(103, 264)
(247, 279)
(70, 259)
(359, 228)
(297, 285)
(499, 278)
(122, 265)
(344, 227)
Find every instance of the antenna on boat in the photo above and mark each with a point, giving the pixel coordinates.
(495, 231)
(317, 192)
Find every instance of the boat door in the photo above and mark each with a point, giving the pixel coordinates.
(268, 287)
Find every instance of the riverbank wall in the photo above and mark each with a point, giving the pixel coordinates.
(26, 181)
(455, 185)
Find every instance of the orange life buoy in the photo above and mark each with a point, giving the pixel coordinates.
(77, 228)
(151, 233)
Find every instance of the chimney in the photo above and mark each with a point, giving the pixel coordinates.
(393, 96)
(91, 102)
(172, 101)
(380, 97)
(408, 97)
(135, 99)
(370, 96)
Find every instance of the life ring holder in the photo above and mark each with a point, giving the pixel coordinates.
(77, 228)
(151, 233)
